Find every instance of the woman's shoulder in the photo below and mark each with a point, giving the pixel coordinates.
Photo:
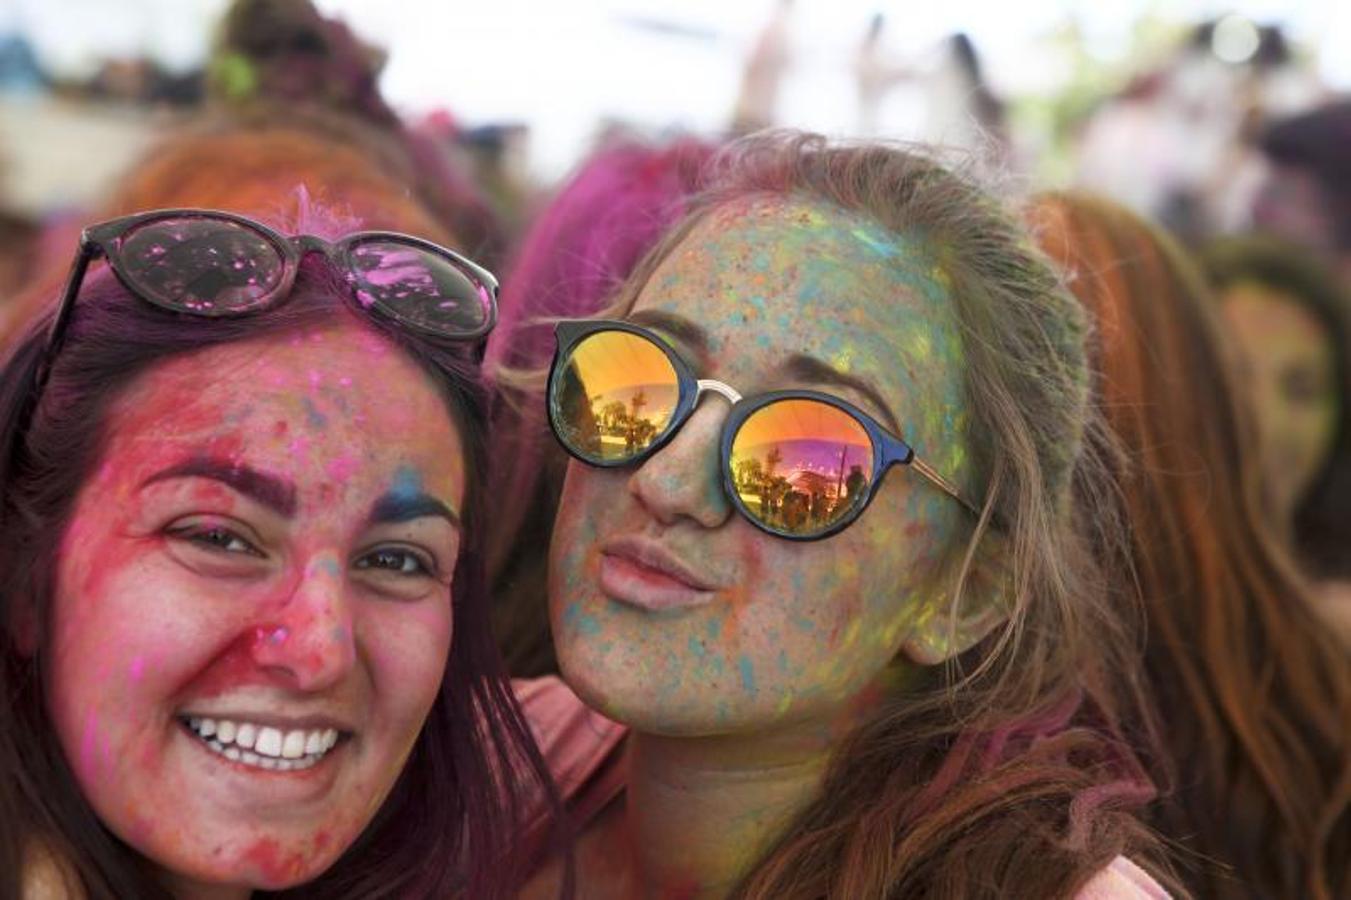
(1122, 880)
(575, 740)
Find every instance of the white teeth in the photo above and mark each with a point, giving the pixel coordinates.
(294, 746)
(264, 746)
(269, 742)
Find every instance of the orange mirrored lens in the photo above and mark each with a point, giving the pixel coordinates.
(613, 396)
(800, 466)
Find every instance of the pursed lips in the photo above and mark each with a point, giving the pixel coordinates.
(641, 572)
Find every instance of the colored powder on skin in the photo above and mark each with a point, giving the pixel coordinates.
(137, 670)
(343, 468)
(583, 623)
(407, 483)
(328, 566)
(312, 414)
(747, 670)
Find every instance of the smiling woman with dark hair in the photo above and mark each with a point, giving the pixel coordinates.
(246, 643)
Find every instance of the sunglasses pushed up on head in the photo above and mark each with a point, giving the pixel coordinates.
(798, 464)
(214, 264)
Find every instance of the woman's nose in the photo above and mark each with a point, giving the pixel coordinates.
(684, 478)
(311, 643)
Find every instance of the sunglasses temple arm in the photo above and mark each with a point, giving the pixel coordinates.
(943, 484)
(61, 320)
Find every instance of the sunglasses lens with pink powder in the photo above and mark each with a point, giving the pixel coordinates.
(207, 266)
(419, 286)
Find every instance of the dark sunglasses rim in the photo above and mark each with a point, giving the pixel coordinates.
(887, 449)
(107, 238)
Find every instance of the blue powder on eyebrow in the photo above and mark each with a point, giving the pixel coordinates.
(407, 483)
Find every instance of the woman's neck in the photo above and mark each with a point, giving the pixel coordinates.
(700, 812)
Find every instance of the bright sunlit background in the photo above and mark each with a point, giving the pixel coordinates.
(562, 67)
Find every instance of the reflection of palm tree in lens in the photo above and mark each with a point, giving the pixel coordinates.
(574, 409)
(632, 436)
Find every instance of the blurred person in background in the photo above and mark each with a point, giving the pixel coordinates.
(581, 247)
(1255, 694)
(1306, 197)
(1173, 144)
(282, 58)
(817, 708)
(1291, 321)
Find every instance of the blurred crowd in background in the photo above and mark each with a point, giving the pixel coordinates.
(1186, 122)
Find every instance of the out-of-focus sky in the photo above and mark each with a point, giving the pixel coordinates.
(563, 66)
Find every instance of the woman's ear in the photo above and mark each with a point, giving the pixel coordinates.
(953, 626)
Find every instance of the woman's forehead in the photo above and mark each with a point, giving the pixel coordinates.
(768, 278)
(310, 401)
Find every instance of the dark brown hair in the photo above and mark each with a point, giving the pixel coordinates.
(1254, 694)
(451, 823)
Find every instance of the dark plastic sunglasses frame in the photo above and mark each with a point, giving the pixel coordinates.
(888, 450)
(105, 239)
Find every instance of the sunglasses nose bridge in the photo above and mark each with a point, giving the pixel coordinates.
(305, 244)
(706, 385)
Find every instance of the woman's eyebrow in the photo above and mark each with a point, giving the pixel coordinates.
(400, 506)
(694, 337)
(277, 494)
(811, 369)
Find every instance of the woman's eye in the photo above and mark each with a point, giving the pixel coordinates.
(217, 538)
(390, 559)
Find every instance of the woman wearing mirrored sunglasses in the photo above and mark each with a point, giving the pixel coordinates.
(243, 609)
(817, 550)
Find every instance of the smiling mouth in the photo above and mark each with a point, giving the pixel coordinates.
(263, 746)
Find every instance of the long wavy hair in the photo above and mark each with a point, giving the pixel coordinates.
(1255, 694)
(1322, 517)
(451, 824)
(1008, 775)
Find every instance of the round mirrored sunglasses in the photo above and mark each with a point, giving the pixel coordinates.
(801, 465)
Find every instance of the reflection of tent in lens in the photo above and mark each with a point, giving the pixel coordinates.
(809, 482)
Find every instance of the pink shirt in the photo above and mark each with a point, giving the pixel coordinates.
(581, 747)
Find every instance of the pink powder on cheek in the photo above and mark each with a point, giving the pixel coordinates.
(343, 468)
(96, 755)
